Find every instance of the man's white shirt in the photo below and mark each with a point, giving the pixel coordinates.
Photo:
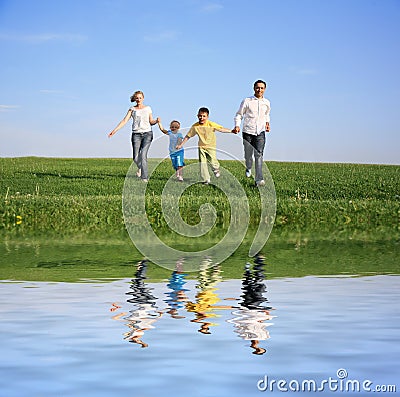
(254, 113)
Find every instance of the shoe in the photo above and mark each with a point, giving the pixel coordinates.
(261, 183)
(180, 179)
(217, 174)
(207, 182)
(248, 173)
(145, 180)
(139, 173)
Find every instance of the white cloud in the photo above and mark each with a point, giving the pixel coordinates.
(44, 37)
(167, 35)
(51, 91)
(212, 7)
(8, 108)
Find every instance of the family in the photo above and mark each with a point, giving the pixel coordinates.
(253, 114)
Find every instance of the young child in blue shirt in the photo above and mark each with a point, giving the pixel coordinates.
(175, 138)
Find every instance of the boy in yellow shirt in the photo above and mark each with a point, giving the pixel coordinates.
(205, 130)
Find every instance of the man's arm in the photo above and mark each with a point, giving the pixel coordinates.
(267, 118)
(239, 116)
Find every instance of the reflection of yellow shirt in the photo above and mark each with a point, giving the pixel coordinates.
(204, 304)
(206, 133)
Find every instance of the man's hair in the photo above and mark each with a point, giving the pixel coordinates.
(260, 81)
(204, 110)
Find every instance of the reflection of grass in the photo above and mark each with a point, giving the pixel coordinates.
(287, 255)
(69, 195)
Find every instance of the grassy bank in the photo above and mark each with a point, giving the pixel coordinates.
(69, 196)
(39, 258)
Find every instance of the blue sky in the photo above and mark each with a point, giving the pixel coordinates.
(68, 69)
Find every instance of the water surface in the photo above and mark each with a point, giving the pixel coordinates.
(180, 337)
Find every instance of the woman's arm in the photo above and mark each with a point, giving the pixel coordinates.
(121, 123)
(153, 121)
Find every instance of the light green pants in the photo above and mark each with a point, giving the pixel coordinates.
(207, 155)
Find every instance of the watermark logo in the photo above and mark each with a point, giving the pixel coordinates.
(138, 198)
(340, 383)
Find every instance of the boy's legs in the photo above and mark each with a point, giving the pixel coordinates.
(203, 157)
(174, 161)
(212, 155)
(177, 164)
(180, 162)
(177, 159)
(179, 173)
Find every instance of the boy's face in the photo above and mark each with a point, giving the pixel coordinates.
(174, 127)
(202, 117)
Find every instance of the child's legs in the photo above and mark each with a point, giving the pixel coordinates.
(174, 161)
(180, 163)
(212, 158)
(203, 157)
(177, 159)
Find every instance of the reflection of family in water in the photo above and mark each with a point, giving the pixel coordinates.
(250, 314)
(176, 296)
(144, 314)
(251, 317)
(205, 305)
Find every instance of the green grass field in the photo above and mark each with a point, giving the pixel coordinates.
(70, 196)
(61, 219)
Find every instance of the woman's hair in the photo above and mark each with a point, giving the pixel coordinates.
(133, 95)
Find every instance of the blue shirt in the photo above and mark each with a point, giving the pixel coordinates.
(173, 140)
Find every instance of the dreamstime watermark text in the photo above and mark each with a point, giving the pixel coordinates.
(340, 383)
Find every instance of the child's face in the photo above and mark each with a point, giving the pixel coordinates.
(174, 127)
(202, 117)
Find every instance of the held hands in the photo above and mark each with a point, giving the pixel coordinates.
(236, 130)
(179, 145)
(155, 121)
